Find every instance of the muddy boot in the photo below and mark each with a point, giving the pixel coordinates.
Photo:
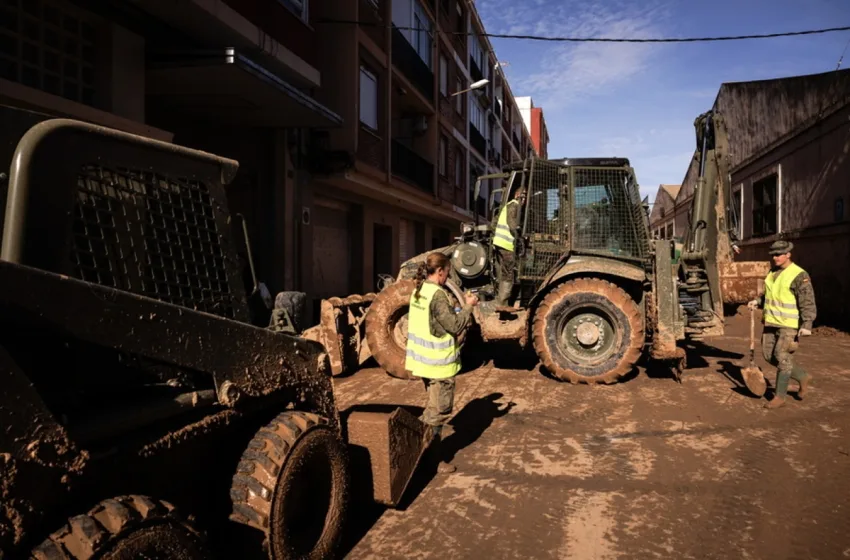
(775, 402)
(804, 386)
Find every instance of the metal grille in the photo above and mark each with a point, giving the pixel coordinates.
(152, 235)
(547, 206)
(609, 218)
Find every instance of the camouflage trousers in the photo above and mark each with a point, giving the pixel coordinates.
(507, 264)
(778, 346)
(441, 397)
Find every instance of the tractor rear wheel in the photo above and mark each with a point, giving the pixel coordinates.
(588, 330)
(125, 528)
(386, 327)
(293, 485)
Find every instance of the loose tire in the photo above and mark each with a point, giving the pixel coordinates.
(386, 327)
(292, 484)
(125, 528)
(588, 331)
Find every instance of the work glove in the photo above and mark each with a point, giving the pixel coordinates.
(754, 304)
(804, 332)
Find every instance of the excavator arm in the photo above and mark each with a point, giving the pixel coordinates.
(708, 275)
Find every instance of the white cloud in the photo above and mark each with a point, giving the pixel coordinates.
(570, 71)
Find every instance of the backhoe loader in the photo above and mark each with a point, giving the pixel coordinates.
(592, 291)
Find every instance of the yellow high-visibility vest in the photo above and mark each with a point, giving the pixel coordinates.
(503, 237)
(428, 355)
(780, 304)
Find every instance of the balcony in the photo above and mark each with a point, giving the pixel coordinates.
(407, 60)
(412, 168)
(476, 139)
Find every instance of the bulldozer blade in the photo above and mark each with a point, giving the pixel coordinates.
(342, 331)
(386, 448)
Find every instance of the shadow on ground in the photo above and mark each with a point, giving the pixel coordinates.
(468, 425)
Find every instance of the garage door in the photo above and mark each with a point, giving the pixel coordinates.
(331, 250)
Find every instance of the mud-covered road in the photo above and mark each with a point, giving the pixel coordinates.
(647, 468)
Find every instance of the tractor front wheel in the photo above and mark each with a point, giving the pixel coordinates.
(588, 330)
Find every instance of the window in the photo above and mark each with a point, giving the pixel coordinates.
(764, 205)
(442, 163)
(368, 98)
(421, 34)
(461, 19)
(459, 169)
(444, 76)
(475, 52)
(669, 233)
(476, 116)
(52, 51)
(459, 97)
(297, 7)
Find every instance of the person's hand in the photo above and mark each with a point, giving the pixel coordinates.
(471, 299)
(804, 332)
(736, 249)
(754, 304)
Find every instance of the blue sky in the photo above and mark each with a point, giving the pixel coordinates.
(640, 100)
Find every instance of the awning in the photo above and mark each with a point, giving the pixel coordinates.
(228, 87)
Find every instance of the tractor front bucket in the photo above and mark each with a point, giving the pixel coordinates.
(385, 449)
(342, 331)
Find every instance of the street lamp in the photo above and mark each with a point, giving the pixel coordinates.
(477, 85)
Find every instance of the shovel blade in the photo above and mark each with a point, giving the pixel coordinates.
(754, 380)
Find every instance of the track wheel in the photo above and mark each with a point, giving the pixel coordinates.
(588, 331)
(386, 327)
(124, 528)
(292, 484)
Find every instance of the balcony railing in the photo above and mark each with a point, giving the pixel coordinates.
(411, 167)
(412, 66)
(477, 140)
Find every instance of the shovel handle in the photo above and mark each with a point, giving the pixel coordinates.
(752, 331)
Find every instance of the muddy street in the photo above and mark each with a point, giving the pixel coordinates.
(647, 468)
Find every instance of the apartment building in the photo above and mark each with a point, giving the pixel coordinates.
(536, 124)
(358, 143)
(419, 134)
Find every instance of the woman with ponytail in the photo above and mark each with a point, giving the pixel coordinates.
(432, 349)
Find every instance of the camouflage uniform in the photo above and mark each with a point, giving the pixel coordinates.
(779, 344)
(441, 392)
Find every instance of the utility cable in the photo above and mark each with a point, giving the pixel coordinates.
(599, 39)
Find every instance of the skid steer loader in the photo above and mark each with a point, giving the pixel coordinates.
(592, 291)
(143, 413)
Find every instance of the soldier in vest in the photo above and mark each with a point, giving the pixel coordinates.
(507, 229)
(433, 352)
(789, 311)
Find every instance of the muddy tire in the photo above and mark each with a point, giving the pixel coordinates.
(292, 484)
(386, 328)
(125, 528)
(588, 331)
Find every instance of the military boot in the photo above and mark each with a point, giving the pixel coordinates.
(775, 402)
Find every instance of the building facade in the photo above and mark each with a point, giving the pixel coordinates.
(789, 140)
(358, 143)
(662, 217)
(535, 123)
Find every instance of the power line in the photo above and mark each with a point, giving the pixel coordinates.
(841, 58)
(601, 39)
